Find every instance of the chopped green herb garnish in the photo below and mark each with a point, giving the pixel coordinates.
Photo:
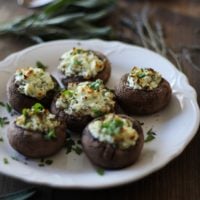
(5, 160)
(50, 135)
(112, 127)
(71, 145)
(1, 139)
(37, 107)
(97, 113)
(96, 84)
(150, 136)
(142, 75)
(3, 121)
(2, 104)
(8, 107)
(68, 93)
(25, 112)
(41, 65)
(100, 171)
(77, 62)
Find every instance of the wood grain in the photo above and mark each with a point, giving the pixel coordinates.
(180, 179)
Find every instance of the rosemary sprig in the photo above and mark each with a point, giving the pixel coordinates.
(150, 34)
(22, 195)
(63, 19)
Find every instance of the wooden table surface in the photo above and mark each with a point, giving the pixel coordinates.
(180, 179)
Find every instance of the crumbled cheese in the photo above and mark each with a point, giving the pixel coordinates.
(86, 98)
(80, 62)
(34, 82)
(114, 129)
(42, 120)
(143, 78)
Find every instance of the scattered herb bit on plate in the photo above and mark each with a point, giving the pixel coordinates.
(150, 136)
(72, 145)
(2, 104)
(100, 171)
(5, 161)
(8, 107)
(41, 65)
(1, 139)
(44, 162)
(3, 121)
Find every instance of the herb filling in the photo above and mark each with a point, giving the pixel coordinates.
(114, 129)
(38, 119)
(80, 62)
(86, 98)
(143, 78)
(34, 82)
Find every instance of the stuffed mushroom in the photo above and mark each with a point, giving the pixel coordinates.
(143, 91)
(29, 86)
(82, 102)
(36, 133)
(113, 141)
(79, 65)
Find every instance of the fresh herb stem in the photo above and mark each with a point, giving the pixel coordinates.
(63, 19)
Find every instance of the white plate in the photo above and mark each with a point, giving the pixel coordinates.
(175, 126)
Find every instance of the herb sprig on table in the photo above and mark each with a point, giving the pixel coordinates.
(63, 19)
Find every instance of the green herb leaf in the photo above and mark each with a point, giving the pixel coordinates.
(3, 121)
(1, 139)
(100, 171)
(97, 113)
(68, 93)
(37, 108)
(141, 75)
(5, 161)
(63, 19)
(2, 104)
(41, 65)
(112, 127)
(96, 84)
(78, 150)
(8, 107)
(25, 112)
(50, 135)
(72, 146)
(150, 136)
